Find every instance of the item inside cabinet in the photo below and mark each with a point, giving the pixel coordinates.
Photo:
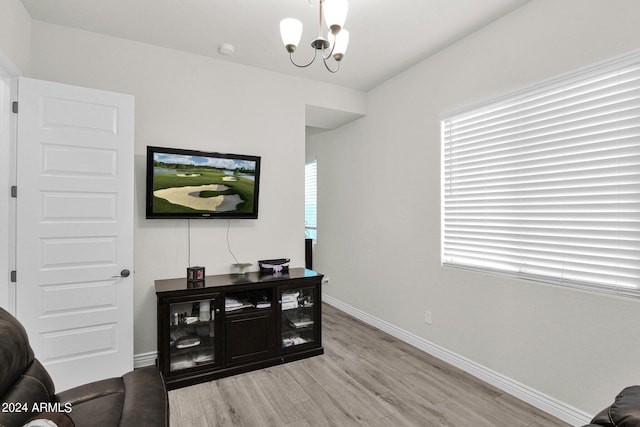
(187, 342)
(202, 356)
(233, 304)
(289, 342)
(259, 299)
(299, 321)
(182, 361)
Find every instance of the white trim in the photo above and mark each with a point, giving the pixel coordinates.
(144, 359)
(9, 72)
(533, 397)
(5, 183)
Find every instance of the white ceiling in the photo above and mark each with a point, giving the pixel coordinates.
(387, 36)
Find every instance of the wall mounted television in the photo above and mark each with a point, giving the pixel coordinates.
(185, 183)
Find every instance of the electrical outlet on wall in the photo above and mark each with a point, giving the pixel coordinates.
(427, 317)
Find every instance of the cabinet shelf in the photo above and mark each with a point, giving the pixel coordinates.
(287, 327)
(245, 310)
(296, 308)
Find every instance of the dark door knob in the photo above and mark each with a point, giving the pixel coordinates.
(125, 273)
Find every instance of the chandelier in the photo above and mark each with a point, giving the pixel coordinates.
(335, 44)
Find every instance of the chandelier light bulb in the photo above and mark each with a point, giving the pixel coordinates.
(290, 31)
(341, 42)
(335, 13)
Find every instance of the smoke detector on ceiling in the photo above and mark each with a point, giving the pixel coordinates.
(226, 49)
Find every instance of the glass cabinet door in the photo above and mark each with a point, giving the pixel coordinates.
(193, 334)
(298, 317)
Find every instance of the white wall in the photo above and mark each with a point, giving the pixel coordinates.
(15, 33)
(379, 212)
(190, 101)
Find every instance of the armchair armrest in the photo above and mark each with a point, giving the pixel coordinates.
(146, 402)
(624, 412)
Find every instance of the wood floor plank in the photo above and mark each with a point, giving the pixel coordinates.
(353, 396)
(279, 409)
(205, 404)
(365, 378)
(282, 383)
(324, 410)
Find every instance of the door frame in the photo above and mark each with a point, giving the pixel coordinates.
(9, 73)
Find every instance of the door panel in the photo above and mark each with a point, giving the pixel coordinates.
(75, 229)
(249, 338)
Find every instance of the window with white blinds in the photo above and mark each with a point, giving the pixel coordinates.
(545, 184)
(310, 200)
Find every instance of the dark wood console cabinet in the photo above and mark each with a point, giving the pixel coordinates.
(236, 323)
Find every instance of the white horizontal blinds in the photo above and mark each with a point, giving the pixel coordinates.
(545, 184)
(310, 199)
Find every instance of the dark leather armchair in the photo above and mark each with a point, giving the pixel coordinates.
(138, 398)
(623, 412)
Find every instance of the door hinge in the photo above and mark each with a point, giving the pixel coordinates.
(14, 107)
(14, 191)
(13, 276)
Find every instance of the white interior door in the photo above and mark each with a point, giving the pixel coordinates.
(75, 229)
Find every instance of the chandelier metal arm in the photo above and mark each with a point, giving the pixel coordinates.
(326, 65)
(315, 52)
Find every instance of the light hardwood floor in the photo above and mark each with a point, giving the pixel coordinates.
(365, 378)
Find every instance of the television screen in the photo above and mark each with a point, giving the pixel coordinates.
(196, 184)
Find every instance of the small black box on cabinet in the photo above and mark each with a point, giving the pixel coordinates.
(195, 277)
(195, 273)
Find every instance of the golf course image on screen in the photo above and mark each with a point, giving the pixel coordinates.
(202, 184)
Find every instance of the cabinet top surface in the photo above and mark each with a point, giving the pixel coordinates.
(222, 280)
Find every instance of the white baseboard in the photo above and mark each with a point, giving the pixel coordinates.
(144, 359)
(533, 397)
